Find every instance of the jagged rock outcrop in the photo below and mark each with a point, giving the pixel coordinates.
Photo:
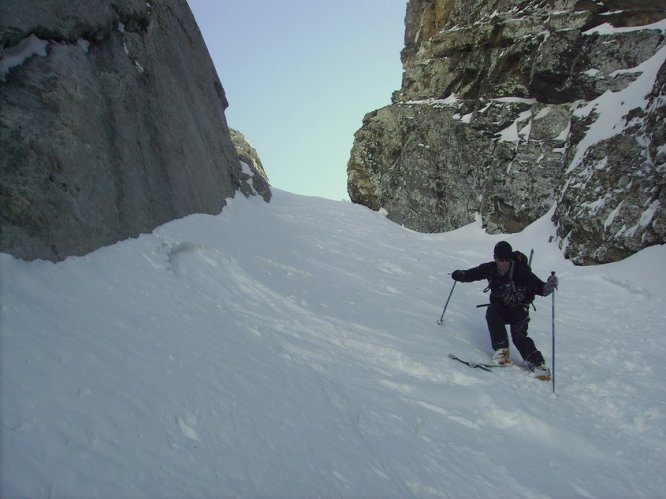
(510, 107)
(255, 180)
(111, 123)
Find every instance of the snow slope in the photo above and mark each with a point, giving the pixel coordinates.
(291, 349)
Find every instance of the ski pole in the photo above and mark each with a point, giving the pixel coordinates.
(441, 319)
(553, 335)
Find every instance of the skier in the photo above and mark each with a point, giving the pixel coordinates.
(512, 288)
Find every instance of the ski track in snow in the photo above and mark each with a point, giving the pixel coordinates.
(292, 349)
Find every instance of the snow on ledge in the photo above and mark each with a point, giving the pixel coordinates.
(609, 29)
(19, 53)
(450, 100)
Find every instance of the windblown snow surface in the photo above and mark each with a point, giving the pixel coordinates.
(292, 349)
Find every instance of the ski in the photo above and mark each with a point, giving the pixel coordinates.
(490, 367)
(484, 367)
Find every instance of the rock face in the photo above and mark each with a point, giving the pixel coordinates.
(253, 173)
(111, 123)
(508, 108)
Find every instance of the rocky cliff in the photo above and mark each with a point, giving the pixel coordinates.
(111, 123)
(509, 108)
(254, 175)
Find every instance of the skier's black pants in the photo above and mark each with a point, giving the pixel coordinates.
(518, 319)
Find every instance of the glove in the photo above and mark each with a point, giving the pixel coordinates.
(550, 285)
(458, 275)
(552, 282)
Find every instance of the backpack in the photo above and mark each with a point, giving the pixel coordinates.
(520, 257)
(521, 294)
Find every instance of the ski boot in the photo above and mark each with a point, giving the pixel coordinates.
(539, 371)
(501, 357)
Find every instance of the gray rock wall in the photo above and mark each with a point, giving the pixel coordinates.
(508, 108)
(117, 127)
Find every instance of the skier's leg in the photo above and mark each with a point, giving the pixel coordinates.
(495, 317)
(520, 319)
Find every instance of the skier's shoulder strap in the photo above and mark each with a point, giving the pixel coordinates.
(513, 283)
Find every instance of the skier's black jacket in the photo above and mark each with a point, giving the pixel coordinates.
(525, 284)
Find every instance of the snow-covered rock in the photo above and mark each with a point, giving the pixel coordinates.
(254, 177)
(508, 108)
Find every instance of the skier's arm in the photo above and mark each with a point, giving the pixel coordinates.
(473, 274)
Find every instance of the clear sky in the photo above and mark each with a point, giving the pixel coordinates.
(300, 75)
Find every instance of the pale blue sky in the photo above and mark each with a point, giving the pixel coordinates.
(300, 75)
